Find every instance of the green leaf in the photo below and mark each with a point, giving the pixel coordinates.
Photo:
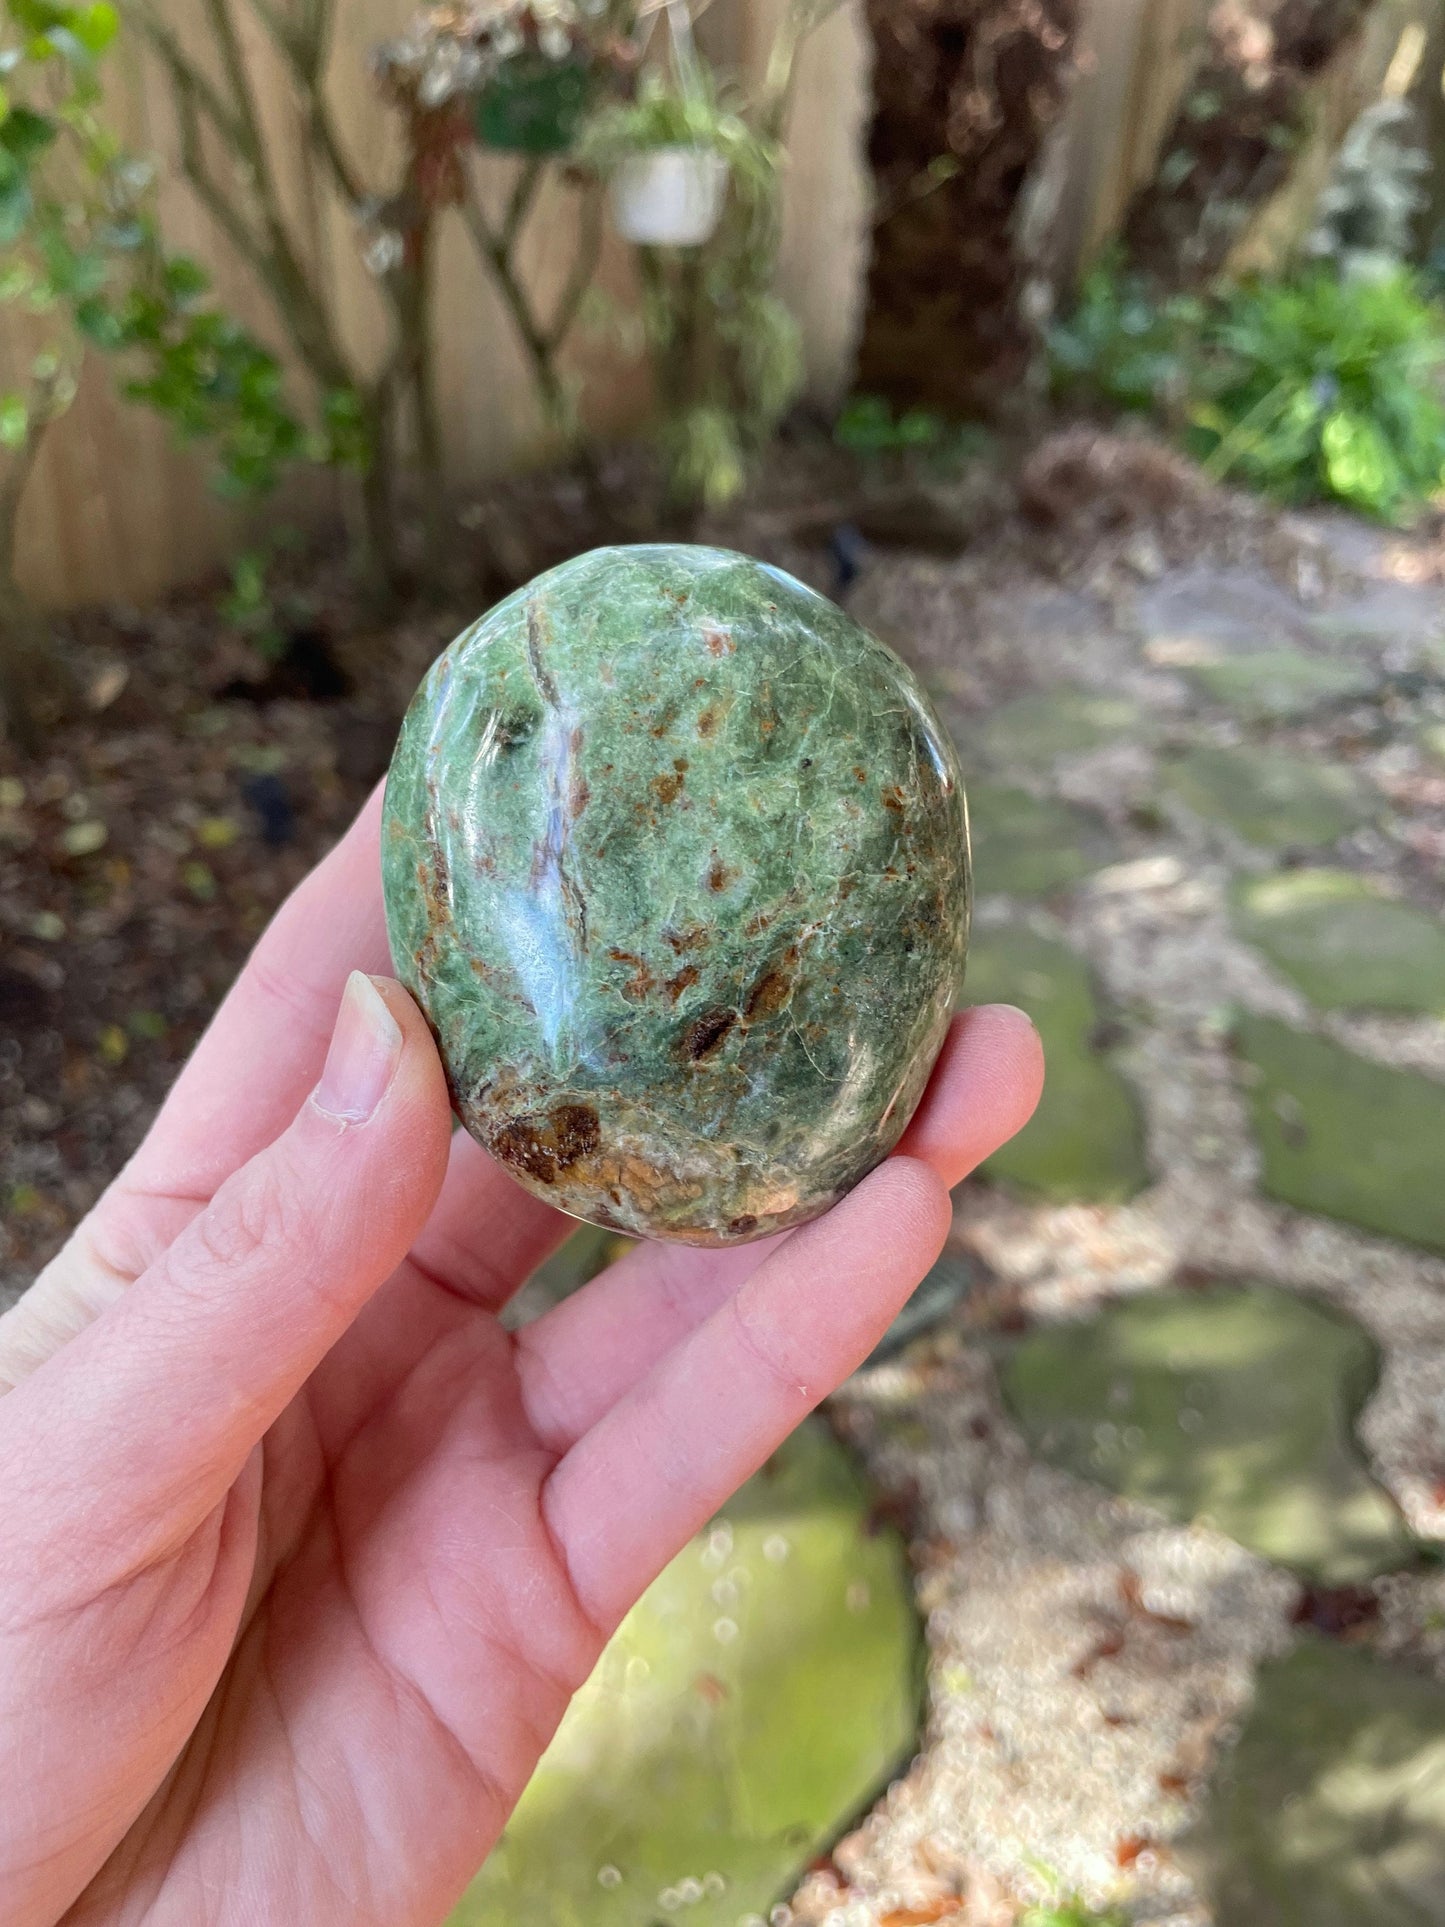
(95, 26)
(1360, 466)
(15, 207)
(25, 134)
(184, 278)
(99, 323)
(35, 16)
(14, 420)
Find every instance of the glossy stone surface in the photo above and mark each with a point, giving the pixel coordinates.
(676, 862)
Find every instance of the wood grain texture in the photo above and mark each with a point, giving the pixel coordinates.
(116, 511)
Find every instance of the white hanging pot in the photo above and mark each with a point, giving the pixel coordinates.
(669, 197)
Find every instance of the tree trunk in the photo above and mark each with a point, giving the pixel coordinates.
(415, 322)
(965, 92)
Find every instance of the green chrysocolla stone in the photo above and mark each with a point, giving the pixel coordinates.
(676, 863)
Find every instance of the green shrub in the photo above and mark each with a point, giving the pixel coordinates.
(1122, 348)
(868, 427)
(82, 250)
(1321, 388)
(1306, 388)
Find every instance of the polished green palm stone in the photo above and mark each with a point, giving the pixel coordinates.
(676, 863)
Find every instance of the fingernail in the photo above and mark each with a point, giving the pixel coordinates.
(365, 1050)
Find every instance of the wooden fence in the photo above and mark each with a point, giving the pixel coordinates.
(116, 511)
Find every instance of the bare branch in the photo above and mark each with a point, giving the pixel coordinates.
(304, 50)
(279, 275)
(523, 197)
(495, 250)
(584, 267)
(323, 132)
(282, 31)
(802, 19)
(184, 73)
(250, 143)
(219, 205)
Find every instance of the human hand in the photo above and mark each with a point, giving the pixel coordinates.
(301, 1553)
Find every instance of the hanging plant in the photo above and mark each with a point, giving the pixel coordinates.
(535, 105)
(668, 156)
(725, 352)
(530, 68)
(511, 75)
(669, 196)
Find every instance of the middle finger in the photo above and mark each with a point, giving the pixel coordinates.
(579, 1359)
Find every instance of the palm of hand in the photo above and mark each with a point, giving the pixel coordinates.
(403, 1645)
(354, 1544)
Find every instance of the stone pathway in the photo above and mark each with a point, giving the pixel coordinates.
(1173, 1468)
(1180, 1462)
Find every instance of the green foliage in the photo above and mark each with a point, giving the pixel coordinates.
(207, 375)
(1323, 388)
(254, 604)
(1365, 218)
(1122, 348)
(1307, 388)
(665, 114)
(82, 247)
(726, 353)
(64, 201)
(868, 427)
(14, 420)
(705, 458)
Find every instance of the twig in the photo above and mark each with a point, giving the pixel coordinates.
(218, 205)
(519, 206)
(495, 246)
(584, 267)
(184, 73)
(270, 254)
(305, 55)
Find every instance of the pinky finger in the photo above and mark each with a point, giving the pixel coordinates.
(667, 1455)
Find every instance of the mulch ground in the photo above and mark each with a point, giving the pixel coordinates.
(145, 849)
(142, 854)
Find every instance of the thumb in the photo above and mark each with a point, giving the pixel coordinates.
(173, 1386)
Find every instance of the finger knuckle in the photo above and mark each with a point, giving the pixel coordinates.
(768, 1353)
(256, 1214)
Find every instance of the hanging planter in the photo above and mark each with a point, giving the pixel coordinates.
(534, 105)
(669, 196)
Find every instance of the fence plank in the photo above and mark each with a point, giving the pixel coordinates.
(1135, 60)
(117, 511)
